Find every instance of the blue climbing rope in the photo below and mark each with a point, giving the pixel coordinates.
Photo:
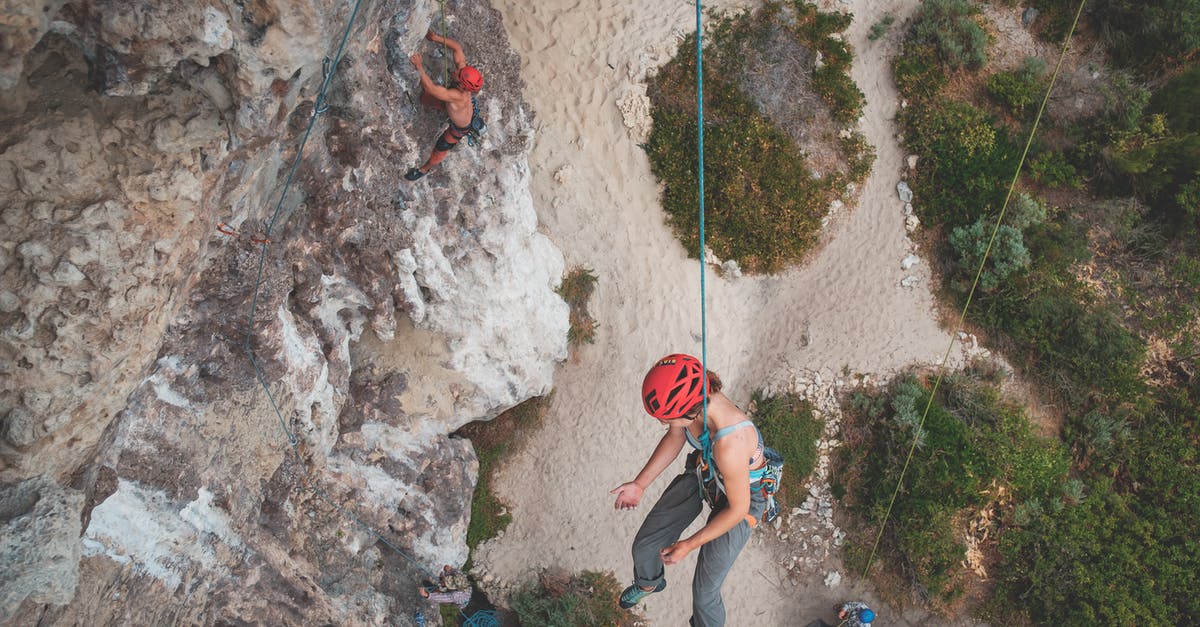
(481, 618)
(700, 170)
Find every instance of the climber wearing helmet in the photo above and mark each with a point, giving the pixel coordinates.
(458, 102)
(674, 393)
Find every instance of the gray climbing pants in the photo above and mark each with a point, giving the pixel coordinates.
(673, 512)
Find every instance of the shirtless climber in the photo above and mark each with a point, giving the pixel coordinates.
(458, 102)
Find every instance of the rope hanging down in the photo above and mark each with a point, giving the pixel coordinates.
(987, 251)
(329, 67)
(700, 170)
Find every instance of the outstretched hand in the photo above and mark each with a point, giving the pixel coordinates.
(416, 61)
(628, 495)
(432, 36)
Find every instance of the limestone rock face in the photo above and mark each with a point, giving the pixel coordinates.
(144, 151)
(39, 548)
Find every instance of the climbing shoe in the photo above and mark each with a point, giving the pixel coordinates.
(413, 174)
(634, 594)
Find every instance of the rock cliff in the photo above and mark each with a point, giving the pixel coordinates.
(164, 457)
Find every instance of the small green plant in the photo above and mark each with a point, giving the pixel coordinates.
(576, 290)
(588, 599)
(789, 426)
(1020, 88)
(945, 38)
(493, 441)
(881, 27)
(1053, 170)
(1007, 255)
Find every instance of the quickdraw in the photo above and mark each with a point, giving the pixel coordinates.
(232, 232)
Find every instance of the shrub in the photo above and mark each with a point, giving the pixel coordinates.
(967, 162)
(1025, 211)
(1149, 32)
(881, 27)
(789, 426)
(1008, 253)
(951, 27)
(585, 600)
(1053, 170)
(576, 289)
(764, 207)
(1020, 88)
(957, 464)
(493, 441)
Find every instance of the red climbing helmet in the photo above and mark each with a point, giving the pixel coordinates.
(470, 79)
(673, 386)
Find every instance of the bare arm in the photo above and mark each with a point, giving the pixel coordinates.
(734, 466)
(430, 87)
(667, 450)
(629, 494)
(460, 59)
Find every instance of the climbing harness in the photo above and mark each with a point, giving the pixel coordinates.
(712, 485)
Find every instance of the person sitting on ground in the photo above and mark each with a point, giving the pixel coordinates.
(674, 393)
(457, 101)
(453, 587)
(855, 614)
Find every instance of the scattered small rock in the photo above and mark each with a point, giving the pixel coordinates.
(908, 210)
(909, 262)
(1028, 17)
(833, 578)
(911, 223)
(912, 162)
(904, 191)
(909, 281)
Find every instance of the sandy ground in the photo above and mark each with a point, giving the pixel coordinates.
(799, 330)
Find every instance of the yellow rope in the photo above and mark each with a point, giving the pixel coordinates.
(942, 367)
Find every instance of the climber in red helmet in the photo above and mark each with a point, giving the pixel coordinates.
(674, 393)
(457, 101)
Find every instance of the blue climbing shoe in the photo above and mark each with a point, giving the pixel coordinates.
(419, 618)
(634, 594)
(414, 174)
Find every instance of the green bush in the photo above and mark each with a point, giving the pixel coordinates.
(1148, 32)
(586, 600)
(881, 27)
(1007, 255)
(952, 28)
(1025, 211)
(970, 443)
(967, 162)
(493, 441)
(944, 38)
(1020, 88)
(1053, 170)
(789, 426)
(764, 207)
(576, 289)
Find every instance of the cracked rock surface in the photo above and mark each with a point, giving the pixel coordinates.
(389, 314)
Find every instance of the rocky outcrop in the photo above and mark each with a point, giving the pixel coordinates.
(388, 315)
(39, 549)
